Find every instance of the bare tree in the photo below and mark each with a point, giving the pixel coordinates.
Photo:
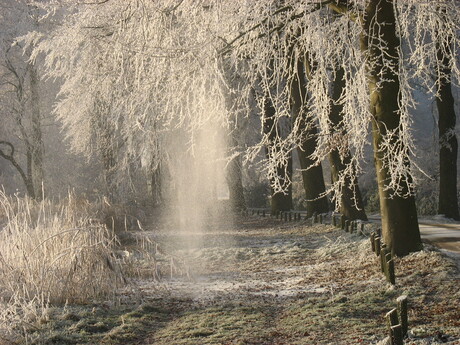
(21, 99)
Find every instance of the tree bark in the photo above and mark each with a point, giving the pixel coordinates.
(312, 172)
(351, 203)
(280, 201)
(448, 145)
(399, 216)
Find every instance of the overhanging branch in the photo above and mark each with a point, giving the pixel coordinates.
(343, 7)
(317, 7)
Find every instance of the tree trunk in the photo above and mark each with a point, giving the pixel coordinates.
(283, 201)
(107, 148)
(155, 186)
(312, 173)
(37, 152)
(25, 176)
(351, 203)
(280, 201)
(109, 164)
(448, 145)
(399, 216)
(235, 182)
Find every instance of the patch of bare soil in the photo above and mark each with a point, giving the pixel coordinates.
(261, 281)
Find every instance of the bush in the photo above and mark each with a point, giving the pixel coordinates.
(52, 253)
(371, 200)
(257, 194)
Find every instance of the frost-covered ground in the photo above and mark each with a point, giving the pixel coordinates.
(260, 281)
(309, 285)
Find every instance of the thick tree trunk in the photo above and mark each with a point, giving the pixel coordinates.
(37, 152)
(280, 201)
(448, 145)
(312, 172)
(351, 203)
(399, 216)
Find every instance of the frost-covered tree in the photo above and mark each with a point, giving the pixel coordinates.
(366, 43)
(281, 175)
(135, 75)
(397, 201)
(432, 34)
(158, 65)
(430, 30)
(312, 172)
(349, 199)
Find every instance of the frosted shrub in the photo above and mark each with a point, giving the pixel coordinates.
(52, 254)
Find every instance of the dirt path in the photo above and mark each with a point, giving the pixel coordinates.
(260, 281)
(267, 282)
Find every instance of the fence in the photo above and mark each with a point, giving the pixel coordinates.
(397, 320)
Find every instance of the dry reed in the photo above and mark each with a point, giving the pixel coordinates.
(52, 253)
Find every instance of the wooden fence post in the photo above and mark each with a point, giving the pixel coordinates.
(377, 245)
(396, 335)
(383, 253)
(390, 268)
(402, 311)
(394, 327)
(372, 238)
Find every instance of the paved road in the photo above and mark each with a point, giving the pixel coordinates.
(442, 235)
(445, 236)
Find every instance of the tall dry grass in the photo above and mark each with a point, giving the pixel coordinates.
(52, 253)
